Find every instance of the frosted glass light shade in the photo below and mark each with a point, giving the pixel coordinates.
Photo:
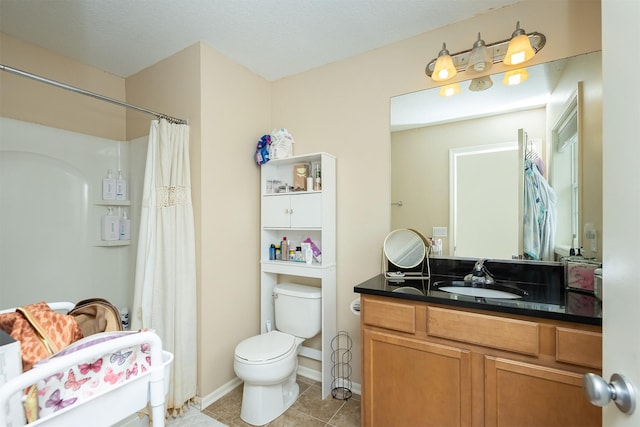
(479, 59)
(520, 49)
(480, 83)
(443, 69)
(449, 90)
(515, 77)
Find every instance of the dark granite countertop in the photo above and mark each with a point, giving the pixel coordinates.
(544, 301)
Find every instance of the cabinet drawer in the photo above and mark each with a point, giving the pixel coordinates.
(579, 347)
(389, 315)
(500, 333)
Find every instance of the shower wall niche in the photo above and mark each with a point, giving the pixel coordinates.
(51, 204)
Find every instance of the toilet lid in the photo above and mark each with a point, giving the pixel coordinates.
(265, 347)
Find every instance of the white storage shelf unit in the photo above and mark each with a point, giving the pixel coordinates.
(298, 215)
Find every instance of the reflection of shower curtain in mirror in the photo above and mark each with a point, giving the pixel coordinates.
(539, 214)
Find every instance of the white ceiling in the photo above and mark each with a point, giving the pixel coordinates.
(273, 38)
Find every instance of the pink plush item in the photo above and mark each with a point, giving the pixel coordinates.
(581, 275)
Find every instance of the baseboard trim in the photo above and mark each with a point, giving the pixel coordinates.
(317, 376)
(207, 400)
(203, 402)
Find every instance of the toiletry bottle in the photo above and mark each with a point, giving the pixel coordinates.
(284, 249)
(272, 252)
(278, 254)
(308, 253)
(298, 256)
(317, 185)
(125, 227)
(109, 187)
(121, 187)
(292, 254)
(110, 229)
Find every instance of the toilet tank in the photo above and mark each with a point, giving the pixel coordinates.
(298, 309)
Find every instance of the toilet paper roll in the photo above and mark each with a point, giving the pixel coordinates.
(355, 306)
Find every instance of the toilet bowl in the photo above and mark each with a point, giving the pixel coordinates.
(267, 364)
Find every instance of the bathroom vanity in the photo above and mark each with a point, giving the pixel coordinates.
(437, 358)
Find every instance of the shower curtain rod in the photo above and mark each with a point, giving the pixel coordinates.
(91, 94)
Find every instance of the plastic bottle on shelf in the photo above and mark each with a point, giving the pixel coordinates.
(109, 187)
(124, 227)
(110, 228)
(292, 254)
(272, 252)
(317, 185)
(284, 249)
(121, 187)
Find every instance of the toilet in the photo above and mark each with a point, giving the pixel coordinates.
(267, 363)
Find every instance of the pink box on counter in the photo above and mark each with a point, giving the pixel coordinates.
(580, 274)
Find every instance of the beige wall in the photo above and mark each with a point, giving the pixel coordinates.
(588, 70)
(235, 113)
(228, 109)
(420, 164)
(343, 108)
(31, 101)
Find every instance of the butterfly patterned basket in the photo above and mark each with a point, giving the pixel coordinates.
(98, 381)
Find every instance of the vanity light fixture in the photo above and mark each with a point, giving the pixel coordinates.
(450, 90)
(496, 52)
(479, 60)
(443, 67)
(520, 49)
(515, 77)
(480, 83)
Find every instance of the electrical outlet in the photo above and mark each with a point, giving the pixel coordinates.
(439, 231)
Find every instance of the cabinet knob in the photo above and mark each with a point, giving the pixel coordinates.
(620, 390)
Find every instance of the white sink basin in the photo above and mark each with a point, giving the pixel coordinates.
(479, 292)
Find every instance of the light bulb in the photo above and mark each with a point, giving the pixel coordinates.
(443, 69)
(520, 49)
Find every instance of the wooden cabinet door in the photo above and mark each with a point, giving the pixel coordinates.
(411, 383)
(519, 394)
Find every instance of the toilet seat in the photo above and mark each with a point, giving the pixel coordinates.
(266, 348)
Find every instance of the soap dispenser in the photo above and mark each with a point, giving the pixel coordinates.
(125, 227)
(110, 228)
(109, 187)
(121, 187)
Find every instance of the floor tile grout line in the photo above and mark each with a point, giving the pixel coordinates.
(335, 413)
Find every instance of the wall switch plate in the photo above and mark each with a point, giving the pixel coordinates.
(439, 232)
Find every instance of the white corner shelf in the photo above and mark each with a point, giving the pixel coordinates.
(113, 203)
(110, 243)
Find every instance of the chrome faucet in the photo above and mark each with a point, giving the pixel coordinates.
(480, 274)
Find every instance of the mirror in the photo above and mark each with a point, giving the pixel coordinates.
(427, 128)
(405, 248)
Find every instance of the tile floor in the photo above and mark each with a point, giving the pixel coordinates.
(308, 411)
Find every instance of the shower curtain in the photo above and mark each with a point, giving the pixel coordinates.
(165, 279)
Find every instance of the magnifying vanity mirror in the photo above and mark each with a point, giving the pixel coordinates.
(406, 249)
(449, 156)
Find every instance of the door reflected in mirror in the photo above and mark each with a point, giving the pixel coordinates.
(427, 128)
